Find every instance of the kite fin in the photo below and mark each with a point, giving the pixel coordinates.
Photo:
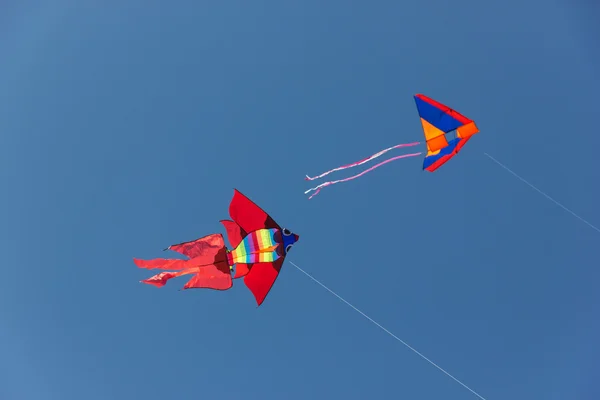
(261, 278)
(241, 270)
(249, 216)
(235, 233)
(216, 277)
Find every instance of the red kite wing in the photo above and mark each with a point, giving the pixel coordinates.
(248, 215)
(261, 278)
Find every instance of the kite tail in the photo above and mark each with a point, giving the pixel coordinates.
(363, 161)
(317, 189)
(174, 263)
(161, 263)
(160, 280)
(215, 276)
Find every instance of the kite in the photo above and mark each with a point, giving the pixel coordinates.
(438, 122)
(207, 260)
(259, 245)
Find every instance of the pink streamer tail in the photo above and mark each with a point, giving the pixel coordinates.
(317, 189)
(363, 161)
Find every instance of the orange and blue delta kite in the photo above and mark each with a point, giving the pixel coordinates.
(438, 121)
(446, 132)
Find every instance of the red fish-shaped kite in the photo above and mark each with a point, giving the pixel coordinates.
(259, 244)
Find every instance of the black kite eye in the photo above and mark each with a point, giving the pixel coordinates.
(286, 232)
(288, 248)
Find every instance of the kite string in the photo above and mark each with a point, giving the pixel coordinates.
(543, 194)
(387, 331)
(363, 161)
(318, 188)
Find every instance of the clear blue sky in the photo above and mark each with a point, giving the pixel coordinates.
(125, 127)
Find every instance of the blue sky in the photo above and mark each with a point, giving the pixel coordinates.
(125, 128)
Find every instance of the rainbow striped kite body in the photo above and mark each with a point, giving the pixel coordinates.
(257, 247)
